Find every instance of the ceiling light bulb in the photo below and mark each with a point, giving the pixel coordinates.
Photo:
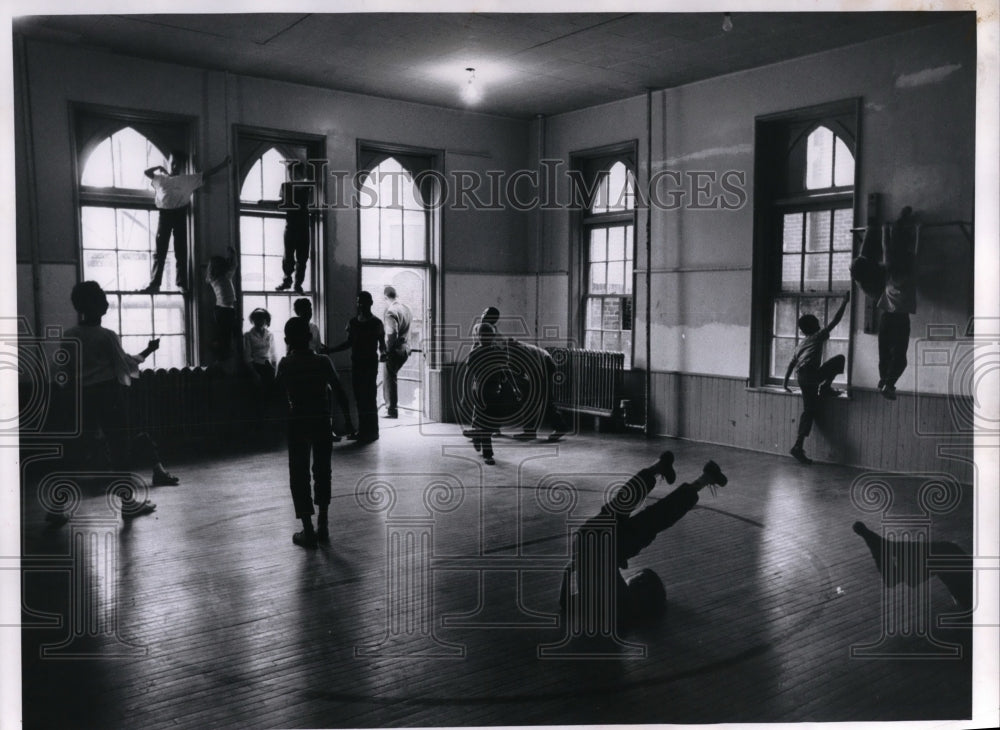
(470, 92)
(727, 22)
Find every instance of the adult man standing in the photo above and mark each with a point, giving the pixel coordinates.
(397, 331)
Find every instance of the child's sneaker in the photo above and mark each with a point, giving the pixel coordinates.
(163, 478)
(304, 539)
(665, 466)
(888, 392)
(714, 474)
(489, 461)
(800, 455)
(323, 533)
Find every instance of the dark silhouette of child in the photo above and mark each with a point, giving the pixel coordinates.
(105, 371)
(587, 574)
(307, 379)
(814, 375)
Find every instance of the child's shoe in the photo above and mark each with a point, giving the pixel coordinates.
(665, 466)
(163, 478)
(304, 539)
(800, 455)
(714, 474)
(323, 533)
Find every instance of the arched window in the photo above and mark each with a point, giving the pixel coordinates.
(608, 243)
(393, 220)
(118, 226)
(395, 224)
(806, 174)
(269, 275)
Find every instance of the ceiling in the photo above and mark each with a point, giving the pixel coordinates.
(526, 64)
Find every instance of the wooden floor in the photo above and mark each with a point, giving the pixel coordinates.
(205, 614)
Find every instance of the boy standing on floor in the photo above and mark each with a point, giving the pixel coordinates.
(307, 379)
(366, 341)
(304, 310)
(814, 375)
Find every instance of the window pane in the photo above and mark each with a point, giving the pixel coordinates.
(817, 272)
(616, 277)
(130, 153)
(819, 159)
(253, 186)
(368, 231)
(818, 230)
(251, 235)
(791, 239)
(274, 173)
(102, 267)
(841, 270)
(616, 244)
(843, 173)
(628, 277)
(98, 227)
(134, 344)
(273, 273)
(137, 315)
(626, 347)
(274, 236)
(168, 315)
(612, 342)
(414, 235)
(252, 273)
(791, 272)
(814, 306)
(598, 278)
(600, 204)
(842, 236)
(785, 317)
(134, 268)
(618, 187)
(598, 244)
(628, 243)
(134, 228)
(782, 349)
(172, 353)
(612, 316)
(592, 340)
(843, 330)
(593, 309)
(98, 169)
(392, 233)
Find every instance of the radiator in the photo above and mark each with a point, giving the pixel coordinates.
(586, 381)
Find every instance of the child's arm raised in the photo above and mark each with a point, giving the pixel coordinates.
(832, 324)
(225, 163)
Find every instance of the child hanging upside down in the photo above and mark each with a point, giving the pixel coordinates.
(590, 575)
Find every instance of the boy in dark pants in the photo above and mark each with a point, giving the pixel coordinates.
(897, 303)
(814, 378)
(307, 379)
(366, 341)
(631, 534)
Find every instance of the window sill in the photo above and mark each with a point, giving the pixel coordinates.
(845, 394)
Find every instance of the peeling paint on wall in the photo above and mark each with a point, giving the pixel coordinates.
(737, 149)
(927, 76)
